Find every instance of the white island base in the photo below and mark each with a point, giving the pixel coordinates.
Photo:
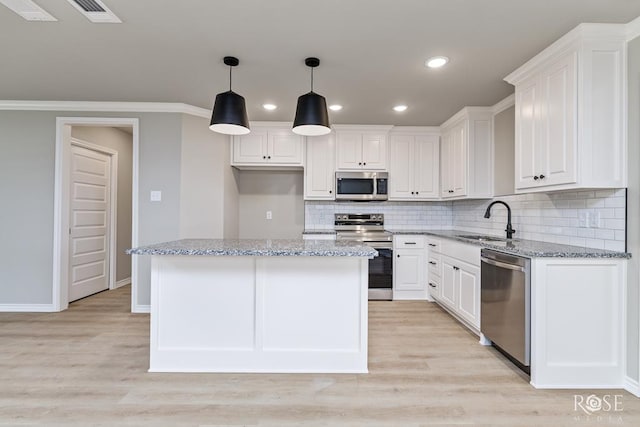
(258, 314)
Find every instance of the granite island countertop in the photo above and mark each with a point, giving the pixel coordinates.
(522, 247)
(257, 247)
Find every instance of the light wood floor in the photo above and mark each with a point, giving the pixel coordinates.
(88, 366)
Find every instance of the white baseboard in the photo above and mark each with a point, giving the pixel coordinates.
(27, 308)
(632, 386)
(140, 308)
(121, 283)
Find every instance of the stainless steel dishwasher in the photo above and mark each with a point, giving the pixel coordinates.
(505, 308)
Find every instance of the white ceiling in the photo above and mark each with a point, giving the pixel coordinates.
(372, 52)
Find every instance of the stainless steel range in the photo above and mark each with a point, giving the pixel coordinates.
(369, 229)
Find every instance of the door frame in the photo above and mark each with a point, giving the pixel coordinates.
(113, 201)
(62, 194)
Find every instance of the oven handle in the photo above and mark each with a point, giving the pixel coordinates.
(379, 245)
(502, 264)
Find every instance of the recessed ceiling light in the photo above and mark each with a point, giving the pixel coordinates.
(400, 108)
(436, 61)
(269, 106)
(335, 107)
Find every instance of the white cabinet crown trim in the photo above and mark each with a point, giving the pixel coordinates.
(566, 43)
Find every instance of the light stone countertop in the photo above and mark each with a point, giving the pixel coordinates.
(522, 247)
(257, 247)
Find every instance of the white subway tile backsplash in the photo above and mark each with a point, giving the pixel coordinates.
(550, 217)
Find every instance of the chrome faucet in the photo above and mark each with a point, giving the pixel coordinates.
(510, 231)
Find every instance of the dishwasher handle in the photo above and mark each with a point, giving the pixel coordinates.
(502, 264)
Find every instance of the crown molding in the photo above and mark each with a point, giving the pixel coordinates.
(363, 128)
(570, 41)
(434, 130)
(508, 102)
(633, 29)
(119, 107)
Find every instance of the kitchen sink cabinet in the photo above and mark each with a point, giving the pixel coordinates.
(414, 166)
(569, 114)
(409, 267)
(268, 147)
(319, 171)
(466, 160)
(361, 147)
(454, 279)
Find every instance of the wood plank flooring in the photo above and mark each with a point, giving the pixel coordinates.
(88, 366)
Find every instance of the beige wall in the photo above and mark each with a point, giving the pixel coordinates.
(208, 189)
(278, 192)
(633, 211)
(122, 142)
(504, 152)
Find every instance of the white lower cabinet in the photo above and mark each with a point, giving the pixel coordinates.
(409, 267)
(454, 279)
(578, 321)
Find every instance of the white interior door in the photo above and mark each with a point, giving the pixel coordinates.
(89, 222)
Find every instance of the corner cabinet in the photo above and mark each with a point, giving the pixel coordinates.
(414, 165)
(319, 171)
(275, 146)
(466, 165)
(361, 147)
(409, 267)
(569, 113)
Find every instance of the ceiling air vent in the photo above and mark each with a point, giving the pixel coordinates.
(95, 11)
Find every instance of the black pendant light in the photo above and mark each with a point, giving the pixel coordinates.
(311, 114)
(229, 111)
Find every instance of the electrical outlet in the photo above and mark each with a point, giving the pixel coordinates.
(594, 220)
(583, 219)
(269, 215)
(155, 196)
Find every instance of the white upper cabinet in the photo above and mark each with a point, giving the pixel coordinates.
(361, 147)
(466, 165)
(319, 172)
(268, 146)
(414, 165)
(570, 112)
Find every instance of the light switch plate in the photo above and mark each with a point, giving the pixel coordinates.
(156, 196)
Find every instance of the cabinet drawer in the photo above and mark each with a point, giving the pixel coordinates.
(433, 245)
(408, 242)
(433, 285)
(433, 265)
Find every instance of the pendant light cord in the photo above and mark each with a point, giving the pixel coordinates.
(230, 68)
(311, 79)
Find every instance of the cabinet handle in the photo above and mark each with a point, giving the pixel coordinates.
(535, 178)
(330, 191)
(264, 157)
(412, 192)
(541, 176)
(365, 163)
(450, 191)
(432, 285)
(417, 192)
(432, 263)
(409, 243)
(398, 255)
(359, 163)
(268, 157)
(432, 245)
(456, 268)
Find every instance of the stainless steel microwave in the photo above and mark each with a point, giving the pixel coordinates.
(361, 186)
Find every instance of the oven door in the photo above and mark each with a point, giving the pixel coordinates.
(381, 272)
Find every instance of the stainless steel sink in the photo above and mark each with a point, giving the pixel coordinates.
(481, 238)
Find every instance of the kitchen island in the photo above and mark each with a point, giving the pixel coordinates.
(220, 305)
